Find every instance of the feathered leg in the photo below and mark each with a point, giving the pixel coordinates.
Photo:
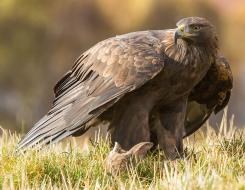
(169, 128)
(130, 124)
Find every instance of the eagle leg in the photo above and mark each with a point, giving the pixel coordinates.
(169, 129)
(130, 124)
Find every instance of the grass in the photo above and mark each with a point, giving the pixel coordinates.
(215, 161)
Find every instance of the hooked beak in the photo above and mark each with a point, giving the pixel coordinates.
(180, 33)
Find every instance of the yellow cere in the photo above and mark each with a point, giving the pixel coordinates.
(181, 28)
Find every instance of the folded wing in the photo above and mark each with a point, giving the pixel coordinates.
(99, 77)
(210, 95)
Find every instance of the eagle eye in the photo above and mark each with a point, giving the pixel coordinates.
(195, 27)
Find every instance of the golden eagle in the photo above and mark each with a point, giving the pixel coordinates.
(142, 84)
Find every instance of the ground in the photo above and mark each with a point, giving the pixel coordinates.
(215, 161)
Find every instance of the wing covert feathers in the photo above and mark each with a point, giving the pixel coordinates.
(98, 78)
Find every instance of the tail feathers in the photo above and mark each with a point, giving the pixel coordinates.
(196, 115)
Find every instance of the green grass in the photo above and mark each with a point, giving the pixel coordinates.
(215, 161)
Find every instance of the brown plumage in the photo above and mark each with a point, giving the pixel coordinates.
(210, 95)
(122, 80)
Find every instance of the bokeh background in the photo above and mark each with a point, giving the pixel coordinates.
(41, 39)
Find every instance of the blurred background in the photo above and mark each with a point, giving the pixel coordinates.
(41, 39)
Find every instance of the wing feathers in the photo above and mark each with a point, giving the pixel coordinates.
(213, 92)
(98, 78)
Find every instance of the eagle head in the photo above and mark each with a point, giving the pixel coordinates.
(196, 30)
